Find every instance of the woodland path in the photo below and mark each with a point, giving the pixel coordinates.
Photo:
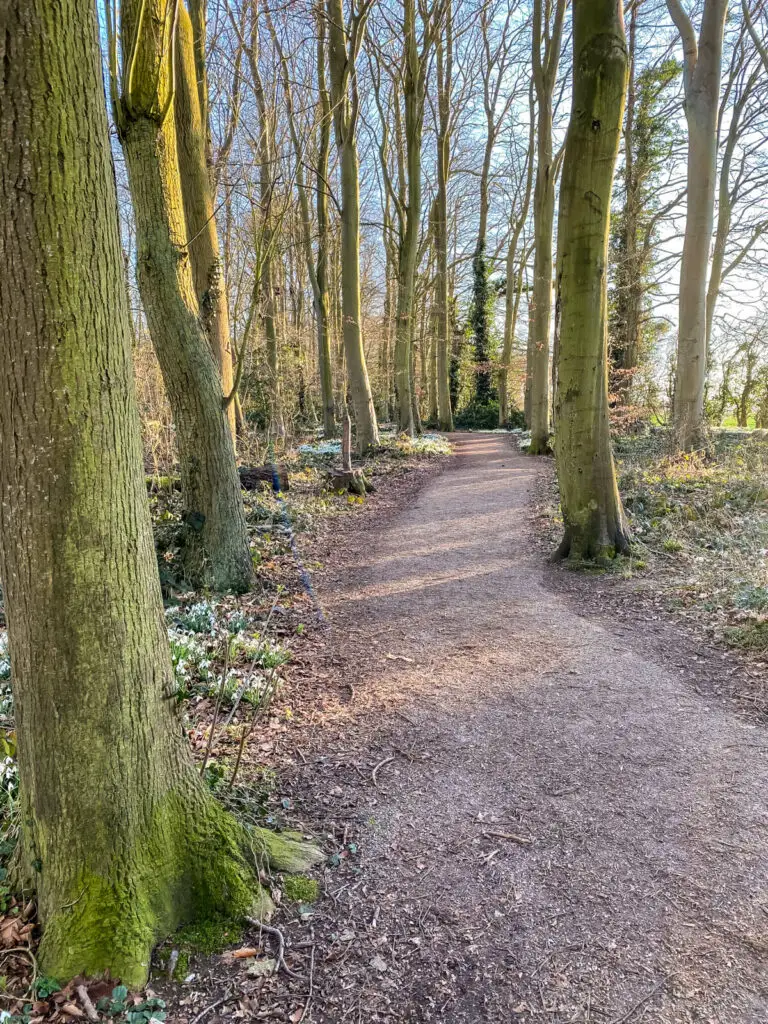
(637, 886)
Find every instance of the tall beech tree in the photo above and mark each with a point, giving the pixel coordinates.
(343, 50)
(516, 262)
(498, 95)
(409, 83)
(547, 41)
(266, 233)
(315, 268)
(702, 60)
(592, 511)
(446, 117)
(216, 547)
(120, 838)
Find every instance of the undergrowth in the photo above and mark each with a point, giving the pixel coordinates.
(699, 525)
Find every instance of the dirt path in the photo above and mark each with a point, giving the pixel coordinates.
(564, 830)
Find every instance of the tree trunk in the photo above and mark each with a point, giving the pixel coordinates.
(325, 360)
(345, 116)
(216, 548)
(514, 277)
(592, 512)
(267, 241)
(480, 295)
(202, 234)
(627, 341)
(120, 838)
(537, 368)
(702, 92)
(443, 340)
(537, 377)
(367, 430)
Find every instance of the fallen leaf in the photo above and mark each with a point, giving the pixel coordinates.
(262, 968)
(71, 1010)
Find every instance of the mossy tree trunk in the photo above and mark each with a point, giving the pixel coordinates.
(592, 512)
(344, 47)
(216, 548)
(545, 66)
(198, 197)
(120, 838)
(701, 78)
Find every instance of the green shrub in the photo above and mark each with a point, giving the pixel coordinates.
(485, 416)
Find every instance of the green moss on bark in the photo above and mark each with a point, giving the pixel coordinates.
(200, 867)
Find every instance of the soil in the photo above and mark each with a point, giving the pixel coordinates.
(536, 809)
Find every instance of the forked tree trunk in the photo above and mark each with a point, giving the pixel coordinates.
(342, 68)
(216, 548)
(120, 838)
(197, 193)
(592, 512)
(702, 92)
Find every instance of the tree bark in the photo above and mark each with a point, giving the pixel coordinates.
(515, 270)
(265, 268)
(537, 369)
(413, 97)
(343, 81)
(119, 837)
(216, 548)
(702, 91)
(592, 512)
(199, 212)
(325, 360)
(443, 339)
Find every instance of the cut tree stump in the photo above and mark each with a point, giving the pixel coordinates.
(352, 480)
(346, 478)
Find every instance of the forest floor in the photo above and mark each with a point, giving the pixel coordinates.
(542, 794)
(539, 806)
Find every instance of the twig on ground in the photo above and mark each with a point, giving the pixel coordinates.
(511, 836)
(380, 765)
(85, 999)
(278, 935)
(310, 993)
(208, 1009)
(641, 1002)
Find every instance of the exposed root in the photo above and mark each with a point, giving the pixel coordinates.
(278, 935)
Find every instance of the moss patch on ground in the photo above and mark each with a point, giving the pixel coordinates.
(300, 889)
